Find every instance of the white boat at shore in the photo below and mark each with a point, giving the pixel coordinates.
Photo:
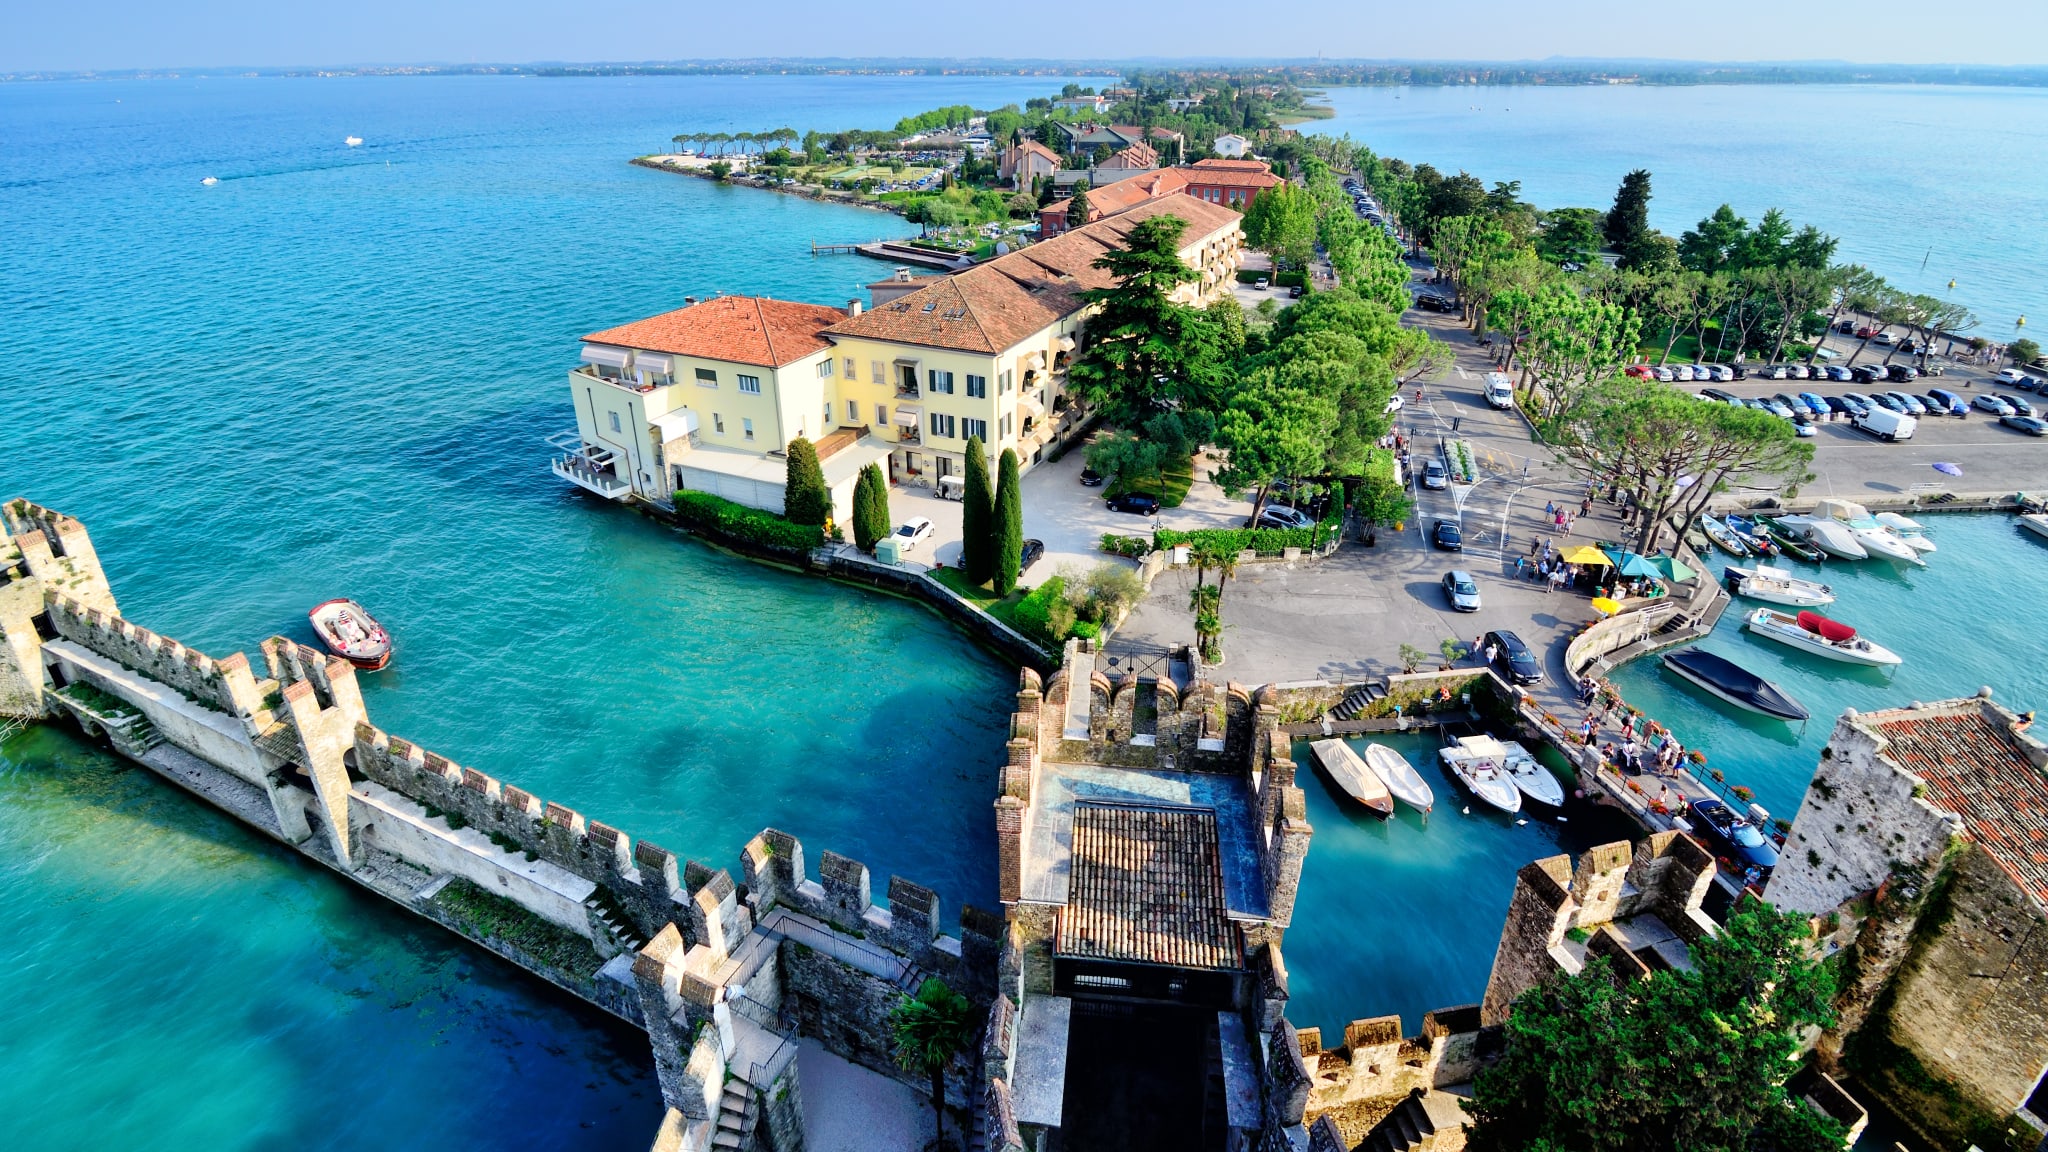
(1814, 633)
(1830, 536)
(1480, 763)
(1913, 532)
(1400, 777)
(1354, 776)
(1876, 539)
(2036, 523)
(1532, 779)
(1777, 585)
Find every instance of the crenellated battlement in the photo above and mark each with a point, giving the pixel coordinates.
(224, 685)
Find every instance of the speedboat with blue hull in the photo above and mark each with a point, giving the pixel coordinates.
(1733, 683)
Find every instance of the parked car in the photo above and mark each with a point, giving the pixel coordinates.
(1033, 549)
(913, 532)
(1703, 372)
(1665, 374)
(1435, 475)
(2018, 405)
(1732, 838)
(2012, 376)
(1901, 373)
(1090, 478)
(1136, 503)
(1797, 372)
(1682, 373)
(1296, 292)
(1948, 401)
(1866, 374)
(1461, 590)
(1846, 327)
(1773, 372)
(2031, 425)
(1446, 536)
(1281, 516)
(1814, 403)
(1840, 406)
(1718, 396)
(1889, 402)
(1724, 373)
(1986, 402)
(1861, 402)
(1641, 372)
(1512, 658)
(1886, 424)
(1802, 426)
(1262, 284)
(1865, 332)
(1882, 339)
(1430, 302)
(1780, 405)
(1910, 404)
(1838, 373)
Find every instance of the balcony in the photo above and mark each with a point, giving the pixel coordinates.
(622, 383)
(589, 466)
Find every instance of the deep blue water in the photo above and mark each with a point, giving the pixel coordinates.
(1922, 184)
(332, 374)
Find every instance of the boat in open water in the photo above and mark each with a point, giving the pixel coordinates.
(1354, 776)
(350, 632)
(1776, 585)
(1400, 777)
(1481, 764)
(1734, 683)
(1812, 632)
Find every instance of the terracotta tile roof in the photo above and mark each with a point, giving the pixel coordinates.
(1230, 177)
(1033, 147)
(1135, 156)
(1222, 162)
(1974, 766)
(1111, 199)
(741, 329)
(1147, 887)
(996, 305)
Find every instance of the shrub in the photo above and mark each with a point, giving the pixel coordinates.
(1033, 614)
(1087, 630)
(805, 499)
(1265, 541)
(1107, 590)
(718, 516)
(1134, 547)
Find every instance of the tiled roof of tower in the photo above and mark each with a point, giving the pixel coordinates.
(1147, 887)
(994, 306)
(1974, 766)
(741, 329)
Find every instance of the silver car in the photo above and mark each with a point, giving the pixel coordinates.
(1435, 475)
(1461, 590)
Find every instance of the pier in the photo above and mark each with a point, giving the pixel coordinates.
(897, 252)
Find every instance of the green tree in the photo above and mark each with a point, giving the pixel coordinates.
(1716, 243)
(1575, 340)
(805, 499)
(1146, 352)
(930, 1029)
(1381, 503)
(720, 170)
(871, 519)
(2023, 351)
(1272, 431)
(977, 511)
(1077, 205)
(1570, 236)
(1009, 525)
(1685, 1061)
(863, 525)
(1628, 222)
(1281, 222)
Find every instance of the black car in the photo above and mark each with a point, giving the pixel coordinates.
(1134, 502)
(1297, 292)
(2031, 425)
(1734, 839)
(1512, 658)
(1431, 303)
(1033, 549)
(1846, 327)
(1090, 478)
(1447, 537)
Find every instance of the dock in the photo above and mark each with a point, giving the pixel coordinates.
(897, 252)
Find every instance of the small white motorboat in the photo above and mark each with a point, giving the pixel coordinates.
(1354, 776)
(1400, 777)
(350, 632)
(353, 141)
(1532, 779)
(1830, 536)
(1907, 529)
(1812, 632)
(1777, 585)
(1876, 539)
(210, 181)
(1480, 763)
(2036, 523)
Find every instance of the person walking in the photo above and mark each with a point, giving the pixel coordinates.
(1586, 507)
(1519, 562)
(1550, 508)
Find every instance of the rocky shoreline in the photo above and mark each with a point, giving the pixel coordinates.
(807, 191)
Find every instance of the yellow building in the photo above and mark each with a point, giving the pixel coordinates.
(707, 397)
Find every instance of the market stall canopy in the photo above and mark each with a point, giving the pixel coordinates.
(1586, 555)
(1673, 569)
(1604, 606)
(1630, 564)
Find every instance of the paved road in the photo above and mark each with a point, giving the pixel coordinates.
(1072, 518)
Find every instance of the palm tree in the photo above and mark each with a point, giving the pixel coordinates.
(931, 1028)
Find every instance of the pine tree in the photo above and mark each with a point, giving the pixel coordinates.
(805, 499)
(977, 532)
(1628, 222)
(1009, 525)
(1077, 208)
(873, 516)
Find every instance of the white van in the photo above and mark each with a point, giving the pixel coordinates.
(1886, 424)
(1500, 391)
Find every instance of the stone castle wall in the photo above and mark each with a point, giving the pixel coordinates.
(226, 685)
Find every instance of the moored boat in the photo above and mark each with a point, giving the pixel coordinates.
(1731, 682)
(2036, 523)
(1400, 777)
(1812, 632)
(1876, 539)
(1724, 539)
(1830, 536)
(1532, 779)
(1752, 536)
(1789, 544)
(1354, 776)
(1913, 532)
(1777, 585)
(350, 632)
(1480, 764)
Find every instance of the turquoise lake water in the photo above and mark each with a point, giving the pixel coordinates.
(1906, 176)
(332, 374)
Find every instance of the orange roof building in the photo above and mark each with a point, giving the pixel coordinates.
(736, 329)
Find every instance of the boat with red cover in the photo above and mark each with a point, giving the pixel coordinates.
(350, 632)
(1815, 633)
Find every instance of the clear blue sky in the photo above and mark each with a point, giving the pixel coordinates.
(82, 34)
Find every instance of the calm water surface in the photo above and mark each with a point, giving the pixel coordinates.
(331, 374)
(1948, 178)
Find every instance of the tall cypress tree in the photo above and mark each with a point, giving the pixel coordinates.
(863, 511)
(1629, 220)
(1009, 526)
(805, 499)
(977, 540)
(877, 512)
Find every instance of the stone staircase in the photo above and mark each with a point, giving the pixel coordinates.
(1407, 1127)
(605, 912)
(739, 1109)
(1358, 700)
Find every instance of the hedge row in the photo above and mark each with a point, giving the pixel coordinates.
(1265, 541)
(744, 525)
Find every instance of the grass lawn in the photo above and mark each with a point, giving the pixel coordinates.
(1179, 478)
(872, 172)
(1003, 608)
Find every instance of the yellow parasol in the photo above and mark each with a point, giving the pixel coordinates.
(1604, 606)
(1587, 555)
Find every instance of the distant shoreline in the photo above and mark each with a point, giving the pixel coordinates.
(741, 180)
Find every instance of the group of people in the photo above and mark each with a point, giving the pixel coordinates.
(1544, 564)
(1652, 749)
